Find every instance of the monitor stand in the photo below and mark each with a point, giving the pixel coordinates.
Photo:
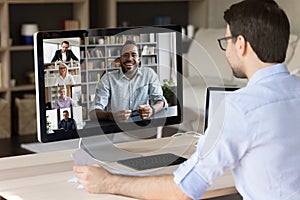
(102, 147)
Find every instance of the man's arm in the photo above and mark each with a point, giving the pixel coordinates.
(56, 106)
(60, 124)
(55, 57)
(72, 55)
(95, 179)
(73, 103)
(158, 106)
(121, 115)
(74, 126)
(101, 115)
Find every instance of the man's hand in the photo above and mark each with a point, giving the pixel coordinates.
(94, 178)
(145, 111)
(122, 115)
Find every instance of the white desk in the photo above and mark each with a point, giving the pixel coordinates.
(45, 175)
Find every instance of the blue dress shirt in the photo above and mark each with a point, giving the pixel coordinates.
(257, 136)
(117, 92)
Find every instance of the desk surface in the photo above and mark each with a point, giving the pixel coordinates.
(46, 175)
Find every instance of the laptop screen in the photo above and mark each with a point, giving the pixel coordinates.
(214, 97)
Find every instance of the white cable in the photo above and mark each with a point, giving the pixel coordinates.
(194, 133)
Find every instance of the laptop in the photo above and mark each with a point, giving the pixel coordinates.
(214, 109)
(213, 99)
(59, 131)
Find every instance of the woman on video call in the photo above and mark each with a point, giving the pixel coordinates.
(64, 78)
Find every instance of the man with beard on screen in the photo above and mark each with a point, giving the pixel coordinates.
(133, 91)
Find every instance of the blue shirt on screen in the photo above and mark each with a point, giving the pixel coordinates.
(117, 92)
(257, 137)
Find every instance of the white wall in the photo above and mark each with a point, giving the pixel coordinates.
(292, 9)
(216, 10)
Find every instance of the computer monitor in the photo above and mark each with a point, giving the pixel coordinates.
(91, 54)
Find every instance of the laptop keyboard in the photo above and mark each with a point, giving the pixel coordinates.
(153, 161)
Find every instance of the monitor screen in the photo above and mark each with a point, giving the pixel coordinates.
(108, 80)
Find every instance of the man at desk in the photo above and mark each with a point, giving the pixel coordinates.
(258, 138)
(68, 124)
(126, 92)
(64, 54)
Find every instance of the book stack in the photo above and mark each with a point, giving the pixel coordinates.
(70, 24)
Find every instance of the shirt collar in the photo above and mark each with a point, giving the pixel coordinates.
(122, 75)
(267, 72)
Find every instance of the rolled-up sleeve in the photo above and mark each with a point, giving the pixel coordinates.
(188, 180)
(102, 94)
(225, 142)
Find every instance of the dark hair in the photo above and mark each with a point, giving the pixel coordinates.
(66, 42)
(65, 111)
(127, 42)
(264, 25)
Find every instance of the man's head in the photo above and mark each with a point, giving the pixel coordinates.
(264, 28)
(66, 114)
(62, 92)
(64, 46)
(129, 57)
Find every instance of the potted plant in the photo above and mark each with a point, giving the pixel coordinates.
(168, 88)
(48, 124)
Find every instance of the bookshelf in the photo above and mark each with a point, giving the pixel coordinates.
(17, 59)
(101, 54)
(111, 16)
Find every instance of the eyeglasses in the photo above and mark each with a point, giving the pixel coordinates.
(223, 42)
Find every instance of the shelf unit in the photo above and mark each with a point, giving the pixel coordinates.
(100, 54)
(197, 11)
(79, 11)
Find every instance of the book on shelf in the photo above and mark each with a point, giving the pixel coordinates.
(97, 53)
(94, 77)
(83, 54)
(82, 66)
(90, 65)
(88, 54)
(70, 24)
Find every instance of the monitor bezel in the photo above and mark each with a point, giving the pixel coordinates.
(43, 136)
